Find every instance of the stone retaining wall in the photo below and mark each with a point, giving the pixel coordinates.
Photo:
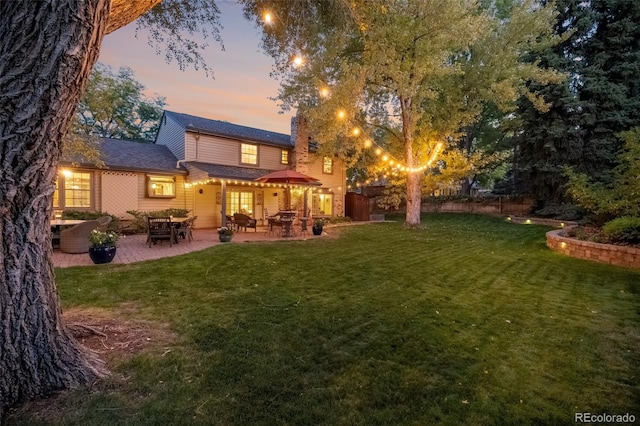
(604, 253)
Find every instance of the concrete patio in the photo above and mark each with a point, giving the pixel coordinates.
(133, 248)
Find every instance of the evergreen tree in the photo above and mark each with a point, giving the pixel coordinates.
(601, 99)
(610, 93)
(549, 141)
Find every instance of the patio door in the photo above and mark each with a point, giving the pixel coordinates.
(240, 202)
(322, 205)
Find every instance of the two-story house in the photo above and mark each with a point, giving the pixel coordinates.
(196, 163)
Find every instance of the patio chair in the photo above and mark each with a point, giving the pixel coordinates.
(104, 222)
(243, 221)
(185, 229)
(274, 222)
(160, 229)
(76, 238)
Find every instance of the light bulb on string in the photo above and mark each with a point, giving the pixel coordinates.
(298, 61)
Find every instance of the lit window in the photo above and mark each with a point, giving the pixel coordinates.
(77, 190)
(327, 165)
(284, 157)
(239, 202)
(323, 204)
(161, 187)
(248, 154)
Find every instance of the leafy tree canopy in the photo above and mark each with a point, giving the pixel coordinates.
(418, 70)
(114, 106)
(618, 198)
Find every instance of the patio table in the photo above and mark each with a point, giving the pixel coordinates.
(287, 217)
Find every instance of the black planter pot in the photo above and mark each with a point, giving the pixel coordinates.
(102, 254)
(316, 229)
(224, 238)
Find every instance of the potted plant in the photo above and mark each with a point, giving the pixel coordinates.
(224, 234)
(317, 226)
(102, 247)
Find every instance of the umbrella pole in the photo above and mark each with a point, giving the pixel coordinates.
(304, 213)
(287, 198)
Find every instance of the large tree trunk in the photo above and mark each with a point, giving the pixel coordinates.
(48, 49)
(414, 195)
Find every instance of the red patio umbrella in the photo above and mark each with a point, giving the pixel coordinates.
(289, 177)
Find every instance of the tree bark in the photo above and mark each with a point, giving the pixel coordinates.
(48, 49)
(124, 12)
(414, 195)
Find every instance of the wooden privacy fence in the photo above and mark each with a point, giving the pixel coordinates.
(497, 205)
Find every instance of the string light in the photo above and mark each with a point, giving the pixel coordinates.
(298, 61)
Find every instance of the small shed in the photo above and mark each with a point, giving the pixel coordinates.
(357, 207)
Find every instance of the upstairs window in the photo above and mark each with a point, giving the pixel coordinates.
(284, 156)
(327, 165)
(161, 187)
(249, 154)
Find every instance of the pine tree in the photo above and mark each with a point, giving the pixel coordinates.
(599, 100)
(549, 141)
(610, 93)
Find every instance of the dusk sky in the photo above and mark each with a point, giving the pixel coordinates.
(242, 86)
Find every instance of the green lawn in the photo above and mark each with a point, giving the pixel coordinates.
(471, 320)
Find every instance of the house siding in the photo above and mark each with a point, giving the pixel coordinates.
(172, 134)
(334, 182)
(225, 151)
(150, 204)
(119, 192)
(205, 205)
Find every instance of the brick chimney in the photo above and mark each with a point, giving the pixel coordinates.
(300, 137)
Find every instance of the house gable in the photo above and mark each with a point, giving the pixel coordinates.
(172, 134)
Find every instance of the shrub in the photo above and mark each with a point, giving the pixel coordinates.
(139, 222)
(564, 211)
(623, 229)
(87, 215)
(335, 219)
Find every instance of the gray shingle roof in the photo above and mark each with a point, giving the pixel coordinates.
(223, 128)
(227, 172)
(136, 156)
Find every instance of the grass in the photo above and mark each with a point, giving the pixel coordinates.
(470, 320)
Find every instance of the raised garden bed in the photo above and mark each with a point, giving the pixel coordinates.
(604, 253)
